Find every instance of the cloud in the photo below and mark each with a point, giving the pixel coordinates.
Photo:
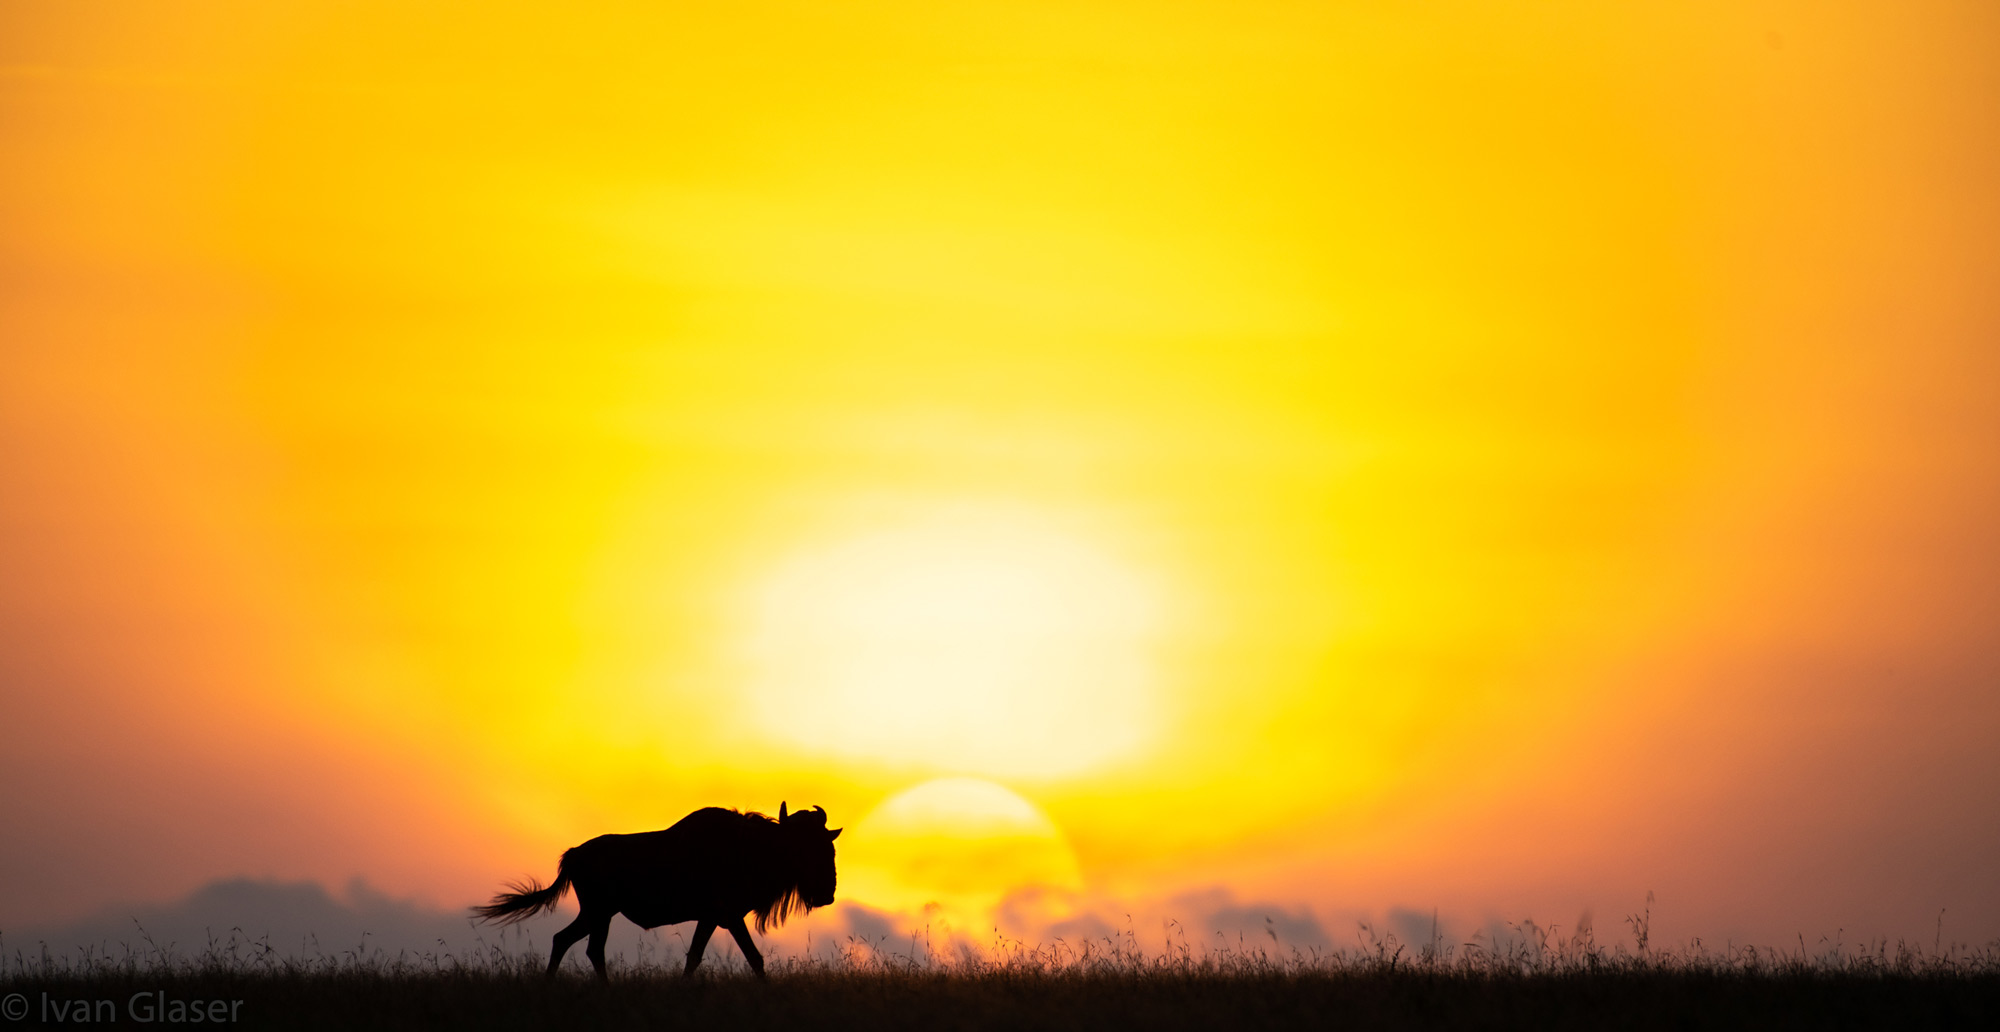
(1417, 929)
(292, 919)
(306, 921)
(1209, 920)
(1217, 914)
(867, 924)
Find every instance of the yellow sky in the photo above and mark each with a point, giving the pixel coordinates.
(1346, 454)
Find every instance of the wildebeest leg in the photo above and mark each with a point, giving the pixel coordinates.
(600, 930)
(748, 947)
(566, 938)
(702, 930)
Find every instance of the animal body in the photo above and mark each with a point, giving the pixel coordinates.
(713, 867)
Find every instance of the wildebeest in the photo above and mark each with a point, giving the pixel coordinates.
(712, 867)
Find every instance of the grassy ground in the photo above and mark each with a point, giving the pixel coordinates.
(1375, 999)
(1537, 986)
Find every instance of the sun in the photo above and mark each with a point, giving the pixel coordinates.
(969, 643)
(954, 845)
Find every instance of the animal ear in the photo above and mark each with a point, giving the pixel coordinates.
(834, 834)
(781, 812)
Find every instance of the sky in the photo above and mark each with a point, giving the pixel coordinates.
(1349, 459)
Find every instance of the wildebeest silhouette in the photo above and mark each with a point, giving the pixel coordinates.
(712, 867)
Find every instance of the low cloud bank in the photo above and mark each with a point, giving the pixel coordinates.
(289, 919)
(1197, 924)
(249, 919)
(1072, 925)
(304, 921)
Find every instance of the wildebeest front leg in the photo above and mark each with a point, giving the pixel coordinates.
(748, 947)
(702, 930)
(600, 930)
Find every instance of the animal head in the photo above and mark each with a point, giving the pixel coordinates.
(810, 843)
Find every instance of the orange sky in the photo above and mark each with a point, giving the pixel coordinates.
(1350, 456)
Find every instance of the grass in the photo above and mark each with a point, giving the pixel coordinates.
(1532, 981)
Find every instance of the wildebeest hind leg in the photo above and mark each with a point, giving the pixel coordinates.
(749, 948)
(698, 945)
(566, 938)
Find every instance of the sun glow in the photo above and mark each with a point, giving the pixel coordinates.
(975, 642)
(1298, 446)
(958, 846)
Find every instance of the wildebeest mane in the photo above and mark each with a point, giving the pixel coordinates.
(788, 901)
(774, 913)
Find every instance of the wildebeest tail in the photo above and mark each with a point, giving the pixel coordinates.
(528, 898)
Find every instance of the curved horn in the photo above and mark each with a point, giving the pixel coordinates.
(781, 812)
